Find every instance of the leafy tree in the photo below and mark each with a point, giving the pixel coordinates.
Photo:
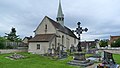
(2, 40)
(116, 43)
(12, 36)
(103, 43)
(9, 47)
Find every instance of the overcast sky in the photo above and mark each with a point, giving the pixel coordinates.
(101, 17)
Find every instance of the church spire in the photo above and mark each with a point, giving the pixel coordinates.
(60, 15)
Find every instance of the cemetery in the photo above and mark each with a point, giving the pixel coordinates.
(54, 45)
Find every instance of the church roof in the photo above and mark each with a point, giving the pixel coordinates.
(42, 38)
(61, 28)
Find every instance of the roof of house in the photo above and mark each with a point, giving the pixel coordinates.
(27, 38)
(61, 28)
(114, 36)
(42, 38)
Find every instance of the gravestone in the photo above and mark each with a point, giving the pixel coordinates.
(72, 49)
(107, 61)
(62, 53)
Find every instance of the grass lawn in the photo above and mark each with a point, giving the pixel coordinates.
(117, 58)
(37, 61)
(33, 61)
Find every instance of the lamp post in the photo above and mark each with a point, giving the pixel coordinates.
(79, 31)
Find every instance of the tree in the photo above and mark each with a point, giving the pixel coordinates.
(12, 36)
(103, 43)
(2, 40)
(116, 43)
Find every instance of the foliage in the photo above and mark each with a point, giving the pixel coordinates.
(9, 47)
(12, 36)
(116, 58)
(116, 43)
(103, 43)
(93, 46)
(2, 40)
(88, 55)
(34, 61)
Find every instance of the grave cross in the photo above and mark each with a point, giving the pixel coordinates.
(79, 31)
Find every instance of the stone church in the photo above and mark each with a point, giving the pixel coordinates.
(52, 34)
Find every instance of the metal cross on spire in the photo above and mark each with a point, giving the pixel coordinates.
(79, 31)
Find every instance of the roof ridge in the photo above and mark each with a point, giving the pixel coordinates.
(61, 28)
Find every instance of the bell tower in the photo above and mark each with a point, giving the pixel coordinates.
(60, 15)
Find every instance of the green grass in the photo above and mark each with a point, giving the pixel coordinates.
(117, 58)
(88, 55)
(33, 61)
(37, 61)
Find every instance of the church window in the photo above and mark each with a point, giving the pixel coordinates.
(38, 46)
(46, 26)
(63, 39)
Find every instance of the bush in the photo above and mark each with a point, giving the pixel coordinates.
(2, 40)
(2, 46)
(9, 47)
(103, 43)
(116, 43)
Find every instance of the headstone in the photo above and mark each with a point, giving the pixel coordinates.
(62, 53)
(72, 49)
(49, 51)
(108, 61)
(87, 48)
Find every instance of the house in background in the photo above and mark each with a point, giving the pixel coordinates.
(52, 34)
(112, 39)
(25, 40)
(88, 44)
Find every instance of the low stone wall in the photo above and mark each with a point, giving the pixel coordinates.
(3, 51)
(111, 51)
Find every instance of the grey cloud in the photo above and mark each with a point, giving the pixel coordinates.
(101, 17)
